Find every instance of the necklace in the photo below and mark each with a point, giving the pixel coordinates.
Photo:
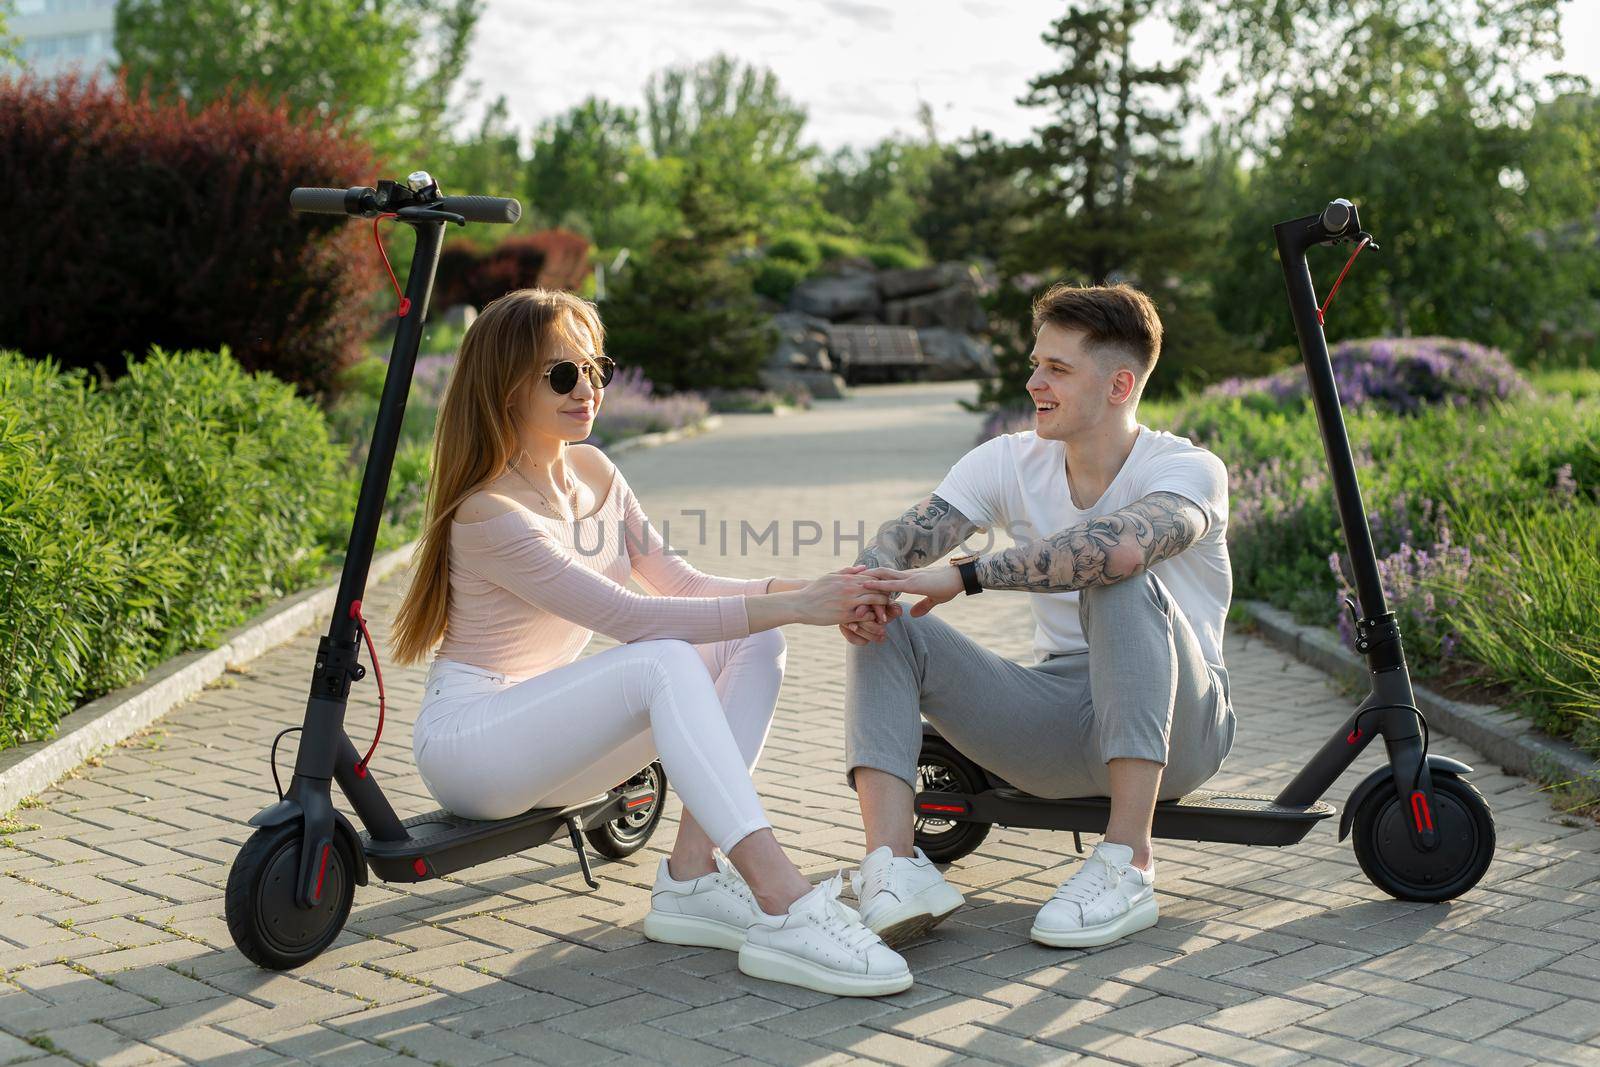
(570, 494)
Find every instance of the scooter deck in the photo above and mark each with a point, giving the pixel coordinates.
(1204, 815)
(441, 843)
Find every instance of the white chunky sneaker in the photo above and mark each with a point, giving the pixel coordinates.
(822, 944)
(902, 898)
(1106, 898)
(712, 911)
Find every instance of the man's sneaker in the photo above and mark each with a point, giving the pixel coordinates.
(712, 911)
(822, 944)
(1106, 898)
(902, 898)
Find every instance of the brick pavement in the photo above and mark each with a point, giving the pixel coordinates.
(113, 946)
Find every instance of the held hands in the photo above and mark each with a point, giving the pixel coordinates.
(838, 598)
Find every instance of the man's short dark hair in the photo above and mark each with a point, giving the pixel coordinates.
(1118, 320)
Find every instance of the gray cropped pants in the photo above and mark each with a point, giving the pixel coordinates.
(1143, 690)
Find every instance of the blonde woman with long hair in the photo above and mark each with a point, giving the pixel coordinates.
(529, 540)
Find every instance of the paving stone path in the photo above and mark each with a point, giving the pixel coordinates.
(113, 946)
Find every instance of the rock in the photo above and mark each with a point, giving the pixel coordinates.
(898, 284)
(950, 355)
(954, 307)
(802, 343)
(838, 297)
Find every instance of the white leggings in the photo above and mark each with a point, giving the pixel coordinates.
(489, 748)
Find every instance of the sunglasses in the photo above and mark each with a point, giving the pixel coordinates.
(564, 375)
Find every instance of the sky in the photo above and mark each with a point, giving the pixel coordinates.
(859, 67)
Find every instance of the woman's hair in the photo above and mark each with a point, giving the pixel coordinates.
(505, 348)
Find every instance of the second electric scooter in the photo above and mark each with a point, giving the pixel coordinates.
(1420, 830)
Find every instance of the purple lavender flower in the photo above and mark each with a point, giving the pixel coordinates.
(1401, 374)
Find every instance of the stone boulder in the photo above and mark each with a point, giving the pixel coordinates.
(802, 343)
(949, 355)
(954, 307)
(898, 284)
(839, 297)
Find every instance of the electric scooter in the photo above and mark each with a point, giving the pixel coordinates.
(292, 884)
(1420, 830)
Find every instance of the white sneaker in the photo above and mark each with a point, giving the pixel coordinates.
(822, 944)
(1106, 898)
(712, 911)
(902, 898)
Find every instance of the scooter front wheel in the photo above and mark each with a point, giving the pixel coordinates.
(1394, 864)
(266, 924)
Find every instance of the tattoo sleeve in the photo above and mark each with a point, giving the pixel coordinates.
(1102, 551)
(927, 530)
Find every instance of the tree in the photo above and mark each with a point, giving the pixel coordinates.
(1109, 197)
(1388, 53)
(1479, 193)
(685, 312)
(742, 131)
(589, 170)
(1107, 154)
(386, 69)
(975, 200)
(879, 191)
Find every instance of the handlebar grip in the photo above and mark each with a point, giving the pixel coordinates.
(481, 208)
(325, 201)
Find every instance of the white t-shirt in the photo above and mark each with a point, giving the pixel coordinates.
(1017, 484)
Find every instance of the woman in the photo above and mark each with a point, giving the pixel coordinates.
(529, 540)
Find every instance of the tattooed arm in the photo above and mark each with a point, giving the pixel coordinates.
(1102, 551)
(929, 528)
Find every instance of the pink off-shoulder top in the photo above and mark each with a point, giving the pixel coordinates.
(527, 591)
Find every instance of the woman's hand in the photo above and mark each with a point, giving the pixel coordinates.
(837, 598)
(935, 584)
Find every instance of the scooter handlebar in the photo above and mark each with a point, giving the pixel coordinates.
(361, 201)
(327, 201)
(502, 209)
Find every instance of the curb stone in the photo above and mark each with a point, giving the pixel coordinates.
(665, 437)
(1503, 736)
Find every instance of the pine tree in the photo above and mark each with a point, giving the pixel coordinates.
(685, 312)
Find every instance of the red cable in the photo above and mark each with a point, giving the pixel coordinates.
(1347, 264)
(405, 303)
(355, 611)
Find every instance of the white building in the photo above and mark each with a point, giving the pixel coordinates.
(57, 36)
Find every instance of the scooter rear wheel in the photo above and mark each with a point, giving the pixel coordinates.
(941, 769)
(266, 924)
(1387, 856)
(622, 837)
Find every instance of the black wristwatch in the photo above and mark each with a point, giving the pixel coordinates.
(968, 566)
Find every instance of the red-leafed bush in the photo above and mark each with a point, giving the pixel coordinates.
(135, 223)
(549, 259)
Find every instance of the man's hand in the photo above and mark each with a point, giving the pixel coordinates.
(872, 624)
(935, 584)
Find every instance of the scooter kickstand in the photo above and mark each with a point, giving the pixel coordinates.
(583, 857)
(1077, 841)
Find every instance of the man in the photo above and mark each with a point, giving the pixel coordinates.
(1119, 536)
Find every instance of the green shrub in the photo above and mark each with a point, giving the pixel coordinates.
(893, 257)
(1484, 521)
(795, 248)
(834, 246)
(142, 519)
(1526, 614)
(776, 278)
